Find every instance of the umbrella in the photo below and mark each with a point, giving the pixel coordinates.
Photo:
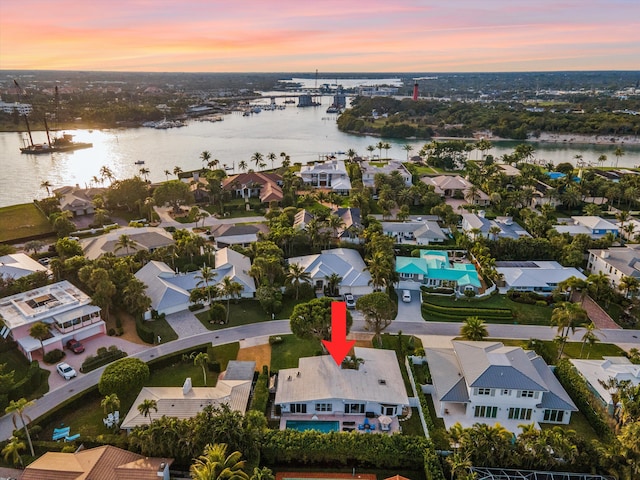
(384, 420)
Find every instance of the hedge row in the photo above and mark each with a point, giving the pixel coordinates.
(503, 313)
(27, 385)
(145, 333)
(102, 358)
(577, 388)
(282, 447)
(261, 392)
(434, 433)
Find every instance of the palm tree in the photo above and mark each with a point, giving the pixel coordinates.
(145, 173)
(46, 184)
(146, 406)
(205, 275)
(618, 152)
(167, 173)
(12, 450)
(110, 403)
(589, 337)
(370, 149)
(566, 317)
(201, 359)
(106, 173)
(629, 284)
(256, 158)
(407, 148)
(601, 160)
(177, 171)
(272, 157)
(242, 165)
(333, 281)
(386, 146)
(126, 242)
(380, 146)
(297, 275)
(229, 289)
(474, 329)
(40, 331)
(214, 464)
(17, 408)
(205, 156)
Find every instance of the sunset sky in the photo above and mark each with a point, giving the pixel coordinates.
(328, 35)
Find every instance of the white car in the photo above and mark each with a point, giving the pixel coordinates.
(406, 296)
(66, 371)
(350, 300)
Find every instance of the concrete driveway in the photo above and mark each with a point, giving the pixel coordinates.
(410, 311)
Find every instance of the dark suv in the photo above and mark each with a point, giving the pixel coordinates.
(75, 346)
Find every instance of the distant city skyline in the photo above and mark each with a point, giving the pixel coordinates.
(331, 36)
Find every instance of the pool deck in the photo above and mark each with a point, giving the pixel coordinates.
(347, 423)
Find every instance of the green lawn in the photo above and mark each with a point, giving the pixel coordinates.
(596, 352)
(247, 311)
(162, 328)
(18, 221)
(286, 353)
(523, 313)
(413, 426)
(578, 423)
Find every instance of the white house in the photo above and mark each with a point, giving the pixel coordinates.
(455, 186)
(65, 308)
(76, 200)
(331, 175)
(415, 232)
(187, 401)
(319, 389)
(591, 225)
(533, 275)
(486, 382)
(145, 238)
(226, 235)
(617, 368)
(17, 265)
(169, 291)
(477, 225)
(344, 262)
(616, 262)
(371, 169)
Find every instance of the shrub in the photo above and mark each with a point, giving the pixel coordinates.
(195, 307)
(124, 378)
(102, 357)
(217, 313)
(275, 340)
(145, 333)
(53, 356)
(261, 393)
(27, 385)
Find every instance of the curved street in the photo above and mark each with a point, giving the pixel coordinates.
(624, 338)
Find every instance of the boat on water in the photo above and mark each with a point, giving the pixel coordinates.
(65, 143)
(139, 162)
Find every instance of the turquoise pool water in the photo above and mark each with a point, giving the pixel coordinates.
(324, 426)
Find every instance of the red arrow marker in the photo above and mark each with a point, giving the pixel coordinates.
(339, 346)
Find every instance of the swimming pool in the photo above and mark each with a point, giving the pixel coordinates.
(324, 426)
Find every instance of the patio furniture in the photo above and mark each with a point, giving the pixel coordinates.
(385, 428)
(60, 433)
(116, 417)
(373, 427)
(72, 438)
(361, 426)
(107, 423)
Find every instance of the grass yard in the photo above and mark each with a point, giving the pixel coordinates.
(596, 352)
(578, 423)
(523, 314)
(247, 311)
(19, 221)
(285, 354)
(413, 426)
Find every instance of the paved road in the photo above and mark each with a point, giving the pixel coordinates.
(625, 338)
(167, 221)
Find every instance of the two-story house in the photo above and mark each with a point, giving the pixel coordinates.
(487, 382)
(616, 262)
(371, 169)
(331, 175)
(591, 225)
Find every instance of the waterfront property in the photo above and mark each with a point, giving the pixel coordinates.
(434, 269)
(371, 169)
(78, 201)
(486, 382)
(331, 175)
(262, 185)
(366, 396)
(62, 306)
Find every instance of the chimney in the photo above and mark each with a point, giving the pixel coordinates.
(186, 388)
(604, 254)
(415, 91)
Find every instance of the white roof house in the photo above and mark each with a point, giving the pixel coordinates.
(418, 232)
(375, 385)
(169, 291)
(618, 368)
(145, 238)
(16, 265)
(187, 401)
(331, 174)
(616, 262)
(507, 227)
(63, 306)
(371, 169)
(489, 383)
(345, 262)
(452, 185)
(591, 225)
(534, 275)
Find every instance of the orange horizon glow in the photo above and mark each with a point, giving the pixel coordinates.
(288, 36)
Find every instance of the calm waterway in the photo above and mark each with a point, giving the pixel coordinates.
(305, 134)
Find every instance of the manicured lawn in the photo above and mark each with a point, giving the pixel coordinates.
(286, 353)
(596, 352)
(162, 328)
(578, 423)
(18, 221)
(247, 311)
(523, 313)
(413, 426)
(391, 342)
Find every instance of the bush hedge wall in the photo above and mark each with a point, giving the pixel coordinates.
(27, 385)
(103, 357)
(464, 312)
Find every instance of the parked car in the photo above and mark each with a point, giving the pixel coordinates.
(44, 261)
(75, 346)
(406, 296)
(66, 371)
(350, 300)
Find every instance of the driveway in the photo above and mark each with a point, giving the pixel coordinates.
(410, 311)
(186, 324)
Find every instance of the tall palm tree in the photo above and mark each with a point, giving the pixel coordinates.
(205, 156)
(146, 406)
(126, 242)
(474, 329)
(333, 281)
(17, 408)
(407, 148)
(12, 450)
(214, 464)
(201, 359)
(229, 288)
(386, 146)
(618, 152)
(204, 276)
(46, 184)
(272, 157)
(297, 275)
(40, 331)
(370, 149)
(380, 146)
(106, 173)
(629, 285)
(566, 317)
(256, 158)
(167, 173)
(145, 173)
(177, 171)
(242, 166)
(602, 159)
(589, 337)
(110, 403)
